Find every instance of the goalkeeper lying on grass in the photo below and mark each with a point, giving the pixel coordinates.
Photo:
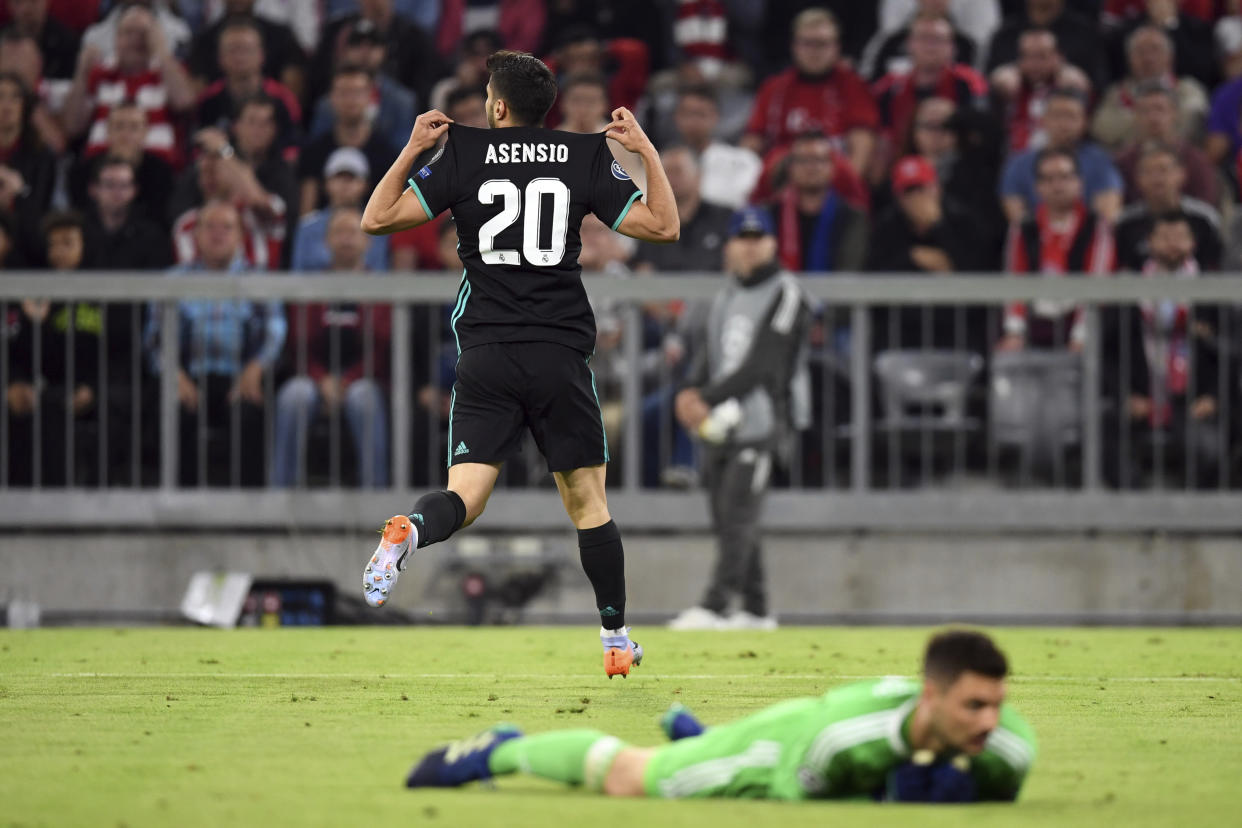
(949, 738)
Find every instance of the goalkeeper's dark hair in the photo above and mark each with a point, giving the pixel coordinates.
(953, 652)
(524, 83)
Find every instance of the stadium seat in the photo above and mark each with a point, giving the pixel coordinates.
(1036, 406)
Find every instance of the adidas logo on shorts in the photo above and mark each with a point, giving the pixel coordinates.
(461, 449)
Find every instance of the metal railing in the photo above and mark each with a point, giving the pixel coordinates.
(861, 476)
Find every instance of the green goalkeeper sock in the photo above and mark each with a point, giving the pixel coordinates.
(574, 757)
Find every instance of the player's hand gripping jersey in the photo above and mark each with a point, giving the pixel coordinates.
(841, 745)
(518, 196)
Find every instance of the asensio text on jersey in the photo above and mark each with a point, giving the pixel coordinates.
(518, 196)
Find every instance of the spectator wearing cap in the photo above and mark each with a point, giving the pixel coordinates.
(1078, 37)
(20, 56)
(1160, 178)
(1020, 89)
(221, 174)
(819, 92)
(392, 108)
(932, 73)
(241, 63)
(117, 233)
(1062, 237)
(1150, 57)
(126, 138)
(58, 44)
(1156, 122)
(888, 51)
(728, 173)
(746, 396)
(924, 232)
(280, 55)
(817, 231)
(353, 90)
(143, 69)
(1065, 124)
(340, 352)
(345, 176)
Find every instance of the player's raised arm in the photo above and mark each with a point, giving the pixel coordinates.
(657, 220)
(393, 206)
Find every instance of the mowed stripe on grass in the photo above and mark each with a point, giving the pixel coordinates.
(318, 726)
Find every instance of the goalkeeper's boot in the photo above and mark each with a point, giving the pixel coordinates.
(461, 762)
(620, 653)
(399, 539)
(679, 723)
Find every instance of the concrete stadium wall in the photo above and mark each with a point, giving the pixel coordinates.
(867, 577)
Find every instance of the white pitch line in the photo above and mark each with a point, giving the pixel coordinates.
(576, 676)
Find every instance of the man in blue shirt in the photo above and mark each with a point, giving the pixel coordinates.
(1065, 123)
(225, 349)
(345, 180)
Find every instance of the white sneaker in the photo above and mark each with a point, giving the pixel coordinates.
(385, 565)
(697, 618)
(743, 620)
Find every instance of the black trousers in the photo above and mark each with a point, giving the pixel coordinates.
(737, 482)
(226, 447)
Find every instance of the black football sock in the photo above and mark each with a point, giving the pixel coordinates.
(603, 561)
(437, 515)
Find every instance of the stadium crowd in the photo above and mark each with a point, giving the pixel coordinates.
(924, 136)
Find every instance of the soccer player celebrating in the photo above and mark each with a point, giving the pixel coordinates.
(524, 329)
(949, 738)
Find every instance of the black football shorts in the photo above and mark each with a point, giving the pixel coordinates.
(504, 388)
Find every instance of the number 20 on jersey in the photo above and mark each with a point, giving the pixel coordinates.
(529, 207)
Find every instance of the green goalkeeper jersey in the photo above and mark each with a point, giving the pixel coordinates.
(840, 745)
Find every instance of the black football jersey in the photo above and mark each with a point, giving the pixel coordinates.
(518, 196)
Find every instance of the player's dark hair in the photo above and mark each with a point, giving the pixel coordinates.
(951, 653)
(524, 83)
(61, 220)
(1055, 152)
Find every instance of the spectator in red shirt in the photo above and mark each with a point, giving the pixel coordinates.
(932, 73)
(819, 92)
(1020, 89)
(340, 352)
(1063, 238)
(144, 71)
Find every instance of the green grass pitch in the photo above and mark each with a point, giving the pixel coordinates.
(186, 727)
